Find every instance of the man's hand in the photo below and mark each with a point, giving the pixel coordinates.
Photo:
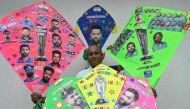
(109, 47)
(154, 92)
(119, 68)
(35, 97)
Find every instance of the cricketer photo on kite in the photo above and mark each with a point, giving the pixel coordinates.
(64, 94)
(136, 94)
(96, 24)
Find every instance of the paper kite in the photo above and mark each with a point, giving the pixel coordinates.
(96, 25)
(39, 44)
(64, 94)
(101, 87)
(136, 94)
(149, 40)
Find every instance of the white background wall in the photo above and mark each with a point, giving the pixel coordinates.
(173, 88)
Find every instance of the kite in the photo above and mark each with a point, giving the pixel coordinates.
(136, 94)
(101, 87)
(96, 25)
(149, 40)
(39, 44)
(64, 94)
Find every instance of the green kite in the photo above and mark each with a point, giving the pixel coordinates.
(149, 40)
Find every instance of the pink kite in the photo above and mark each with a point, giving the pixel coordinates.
(136, 94)
(39, 44)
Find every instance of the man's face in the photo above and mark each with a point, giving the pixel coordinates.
(153, 22)
(74, 99)
(131, 48)
(126, 99)
(157, 38)
(167, 23)
(24, 51)
(55, 25)
(94, 56)
(71, 40)
(173, 23)
(100, 78)
(162, 23)
(7, 35)
(122, 39)
(157, 22)
(174, 15)
(56, 58)
(27, 18)
(30, 74)
(56, 41)
(163, 14)
(25, 33)
(139, 17)
(180, 23)
(158, 15)
(47, 76)
(168, 15)
(96, 35)
(41, 15)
